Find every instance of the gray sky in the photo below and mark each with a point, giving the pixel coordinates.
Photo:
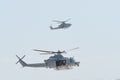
(24, 25)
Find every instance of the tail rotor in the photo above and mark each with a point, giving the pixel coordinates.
(20, 59)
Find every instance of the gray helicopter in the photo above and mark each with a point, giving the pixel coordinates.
(57, 62)
(63, 25)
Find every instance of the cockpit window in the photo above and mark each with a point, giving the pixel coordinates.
(71, 60)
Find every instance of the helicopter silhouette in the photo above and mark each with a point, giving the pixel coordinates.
(63, 24)
(57, 62)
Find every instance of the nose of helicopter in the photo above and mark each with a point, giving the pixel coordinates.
(77, 63)
(69, 24)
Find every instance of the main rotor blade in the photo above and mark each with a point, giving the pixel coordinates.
(67, 20)
(72, 49)
(41, 50)
(50, 52)
(44, 53)
(61, 21)
(57, 21)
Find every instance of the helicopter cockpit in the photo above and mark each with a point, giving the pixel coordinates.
(59, 60)
(60, 63)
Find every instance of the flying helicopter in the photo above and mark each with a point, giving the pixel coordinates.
(62, 24)
(57, 62)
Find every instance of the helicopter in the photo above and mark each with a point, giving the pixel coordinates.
(63, 24)
(57, 62)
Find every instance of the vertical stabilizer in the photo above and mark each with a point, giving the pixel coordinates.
(51, 27)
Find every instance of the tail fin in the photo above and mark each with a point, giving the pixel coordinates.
(51, 27)
(21, 61)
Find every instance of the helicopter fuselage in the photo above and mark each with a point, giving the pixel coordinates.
(64, 25)
(57, 62)
(61, 26)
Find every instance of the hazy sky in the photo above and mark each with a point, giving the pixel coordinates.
(24, 25)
